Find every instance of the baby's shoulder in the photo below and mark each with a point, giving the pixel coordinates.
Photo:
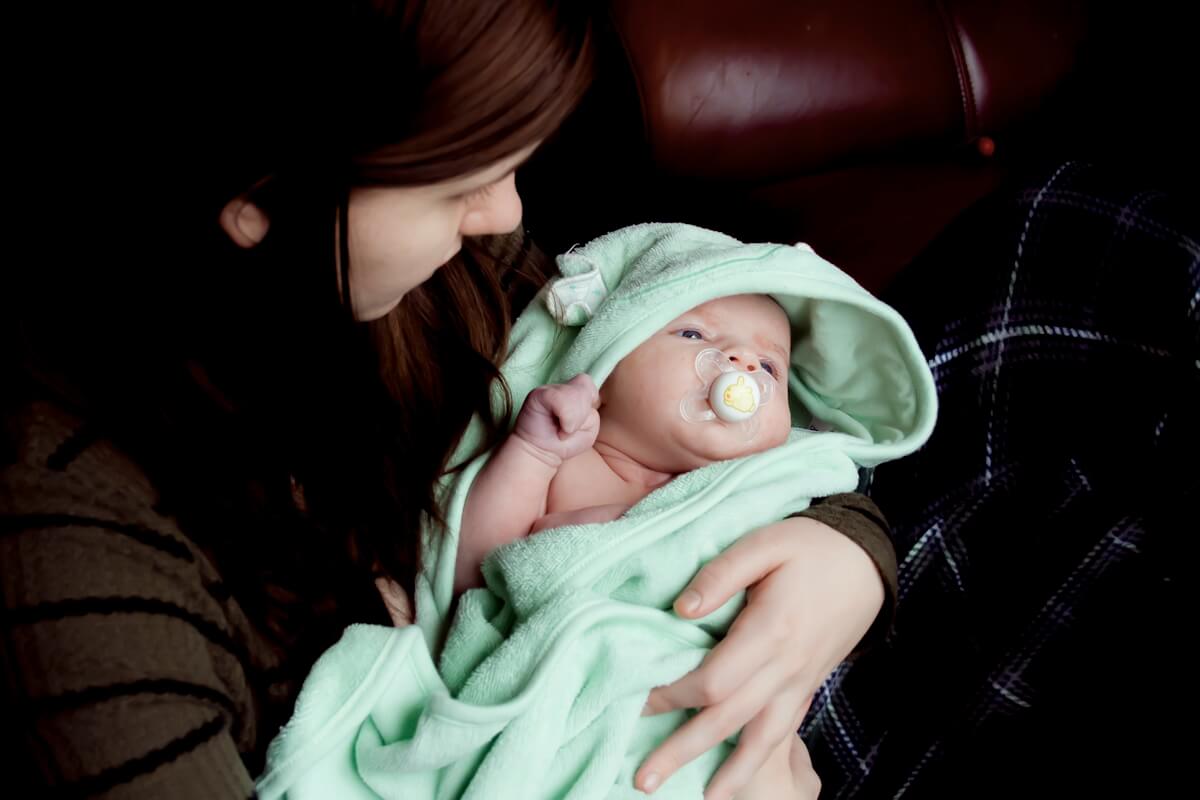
(583, 481)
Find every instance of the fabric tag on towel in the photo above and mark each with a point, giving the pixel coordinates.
(573, 300)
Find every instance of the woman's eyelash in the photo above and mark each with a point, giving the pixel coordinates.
(481, 192)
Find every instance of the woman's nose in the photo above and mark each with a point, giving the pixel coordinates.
(497, 211)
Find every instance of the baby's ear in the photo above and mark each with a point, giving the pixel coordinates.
(244, 222)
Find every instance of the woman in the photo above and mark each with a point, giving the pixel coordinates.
(250, 362)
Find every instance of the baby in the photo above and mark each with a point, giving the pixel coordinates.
(578, 455)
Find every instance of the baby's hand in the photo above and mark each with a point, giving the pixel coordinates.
(560, 420)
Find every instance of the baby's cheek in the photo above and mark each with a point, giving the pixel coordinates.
(663, 421)
(780, 425)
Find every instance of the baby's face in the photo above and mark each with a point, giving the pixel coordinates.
(639, 411)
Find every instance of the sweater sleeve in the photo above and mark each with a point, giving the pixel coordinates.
(857, 517)
(122, 663)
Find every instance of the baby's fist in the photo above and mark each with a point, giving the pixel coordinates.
(560, 419)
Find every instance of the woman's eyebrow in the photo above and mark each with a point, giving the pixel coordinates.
(476, 181)
(513, 168)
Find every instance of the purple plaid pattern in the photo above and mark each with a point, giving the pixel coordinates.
(1040, 533)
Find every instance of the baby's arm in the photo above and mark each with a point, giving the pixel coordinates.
(580, 516)
(556, 423)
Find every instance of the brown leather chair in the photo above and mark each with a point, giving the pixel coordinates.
(860, 126)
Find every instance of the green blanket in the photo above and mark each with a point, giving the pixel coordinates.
(541, 675)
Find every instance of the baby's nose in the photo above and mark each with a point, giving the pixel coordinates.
(743, 360)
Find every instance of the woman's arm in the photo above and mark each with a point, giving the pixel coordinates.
(859, 519)
(124, 670)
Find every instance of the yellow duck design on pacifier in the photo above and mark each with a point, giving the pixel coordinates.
(739, 396)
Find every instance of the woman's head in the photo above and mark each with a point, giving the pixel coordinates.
(361, 143)
(437, 104)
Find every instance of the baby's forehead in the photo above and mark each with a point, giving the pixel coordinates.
(759, 311)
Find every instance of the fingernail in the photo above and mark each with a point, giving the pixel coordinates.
(689, 601)
(650, 782)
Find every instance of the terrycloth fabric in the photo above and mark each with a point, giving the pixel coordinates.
(543, 673)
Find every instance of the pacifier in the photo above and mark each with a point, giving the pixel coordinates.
(726, 393)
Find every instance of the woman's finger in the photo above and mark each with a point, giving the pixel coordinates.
(752, 643)
(744, 563)
(759, 739)
(706, 730)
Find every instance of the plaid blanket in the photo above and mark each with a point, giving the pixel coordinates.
(1038, 646)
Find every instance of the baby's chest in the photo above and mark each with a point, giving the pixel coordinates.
(586, 481)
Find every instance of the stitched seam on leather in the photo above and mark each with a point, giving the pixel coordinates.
(637, 76)
(966, 90)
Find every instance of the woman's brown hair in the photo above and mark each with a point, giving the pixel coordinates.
(298, 446)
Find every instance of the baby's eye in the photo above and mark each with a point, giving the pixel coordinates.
(691, 333)
(770, 368)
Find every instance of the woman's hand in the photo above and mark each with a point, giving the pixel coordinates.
(812, 594)
(788, 774)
